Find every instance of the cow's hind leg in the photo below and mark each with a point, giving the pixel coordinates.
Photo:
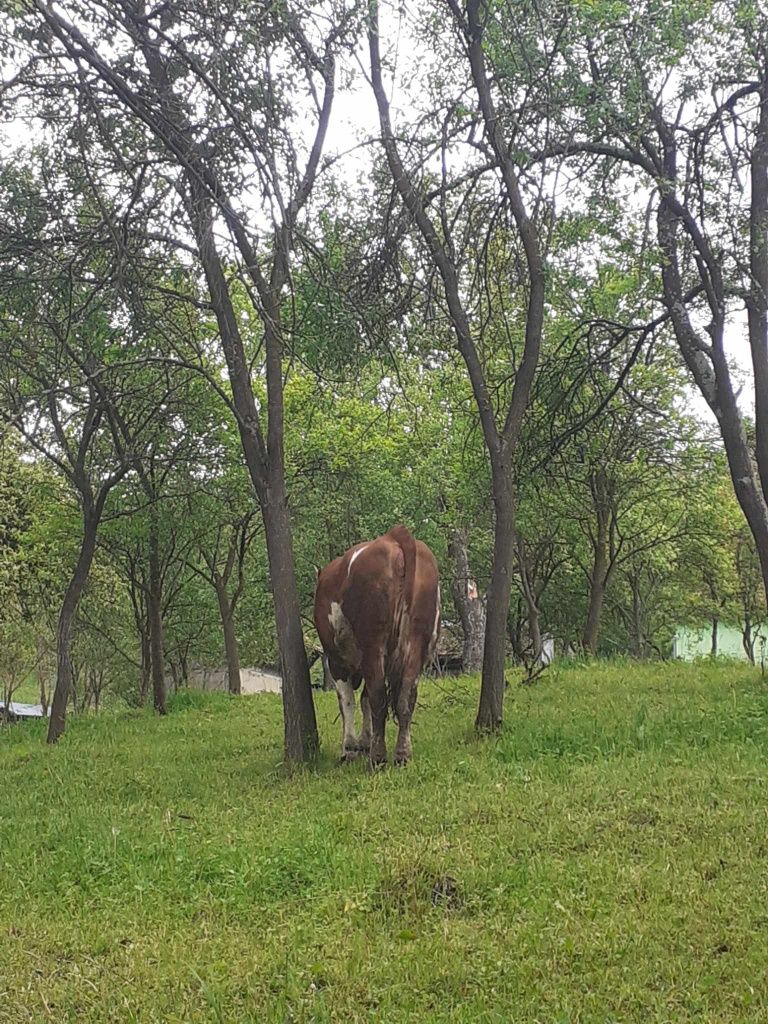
(349, 742)
(367, 733)
(404, 703)
(376, 696)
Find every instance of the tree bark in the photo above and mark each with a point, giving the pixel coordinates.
(469, 606)
(155, 615)
(301, 737)
(748, 639)
(591, 634)
(491, 706)
(715, 625)
(231, 648)
(602, 561)
(638, 625)
(533, 613)
(146, 662)
(72, 595)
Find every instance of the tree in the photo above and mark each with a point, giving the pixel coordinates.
(429, 210)
(678, 101)
(228, 528)
(201, 92)
(70, 382)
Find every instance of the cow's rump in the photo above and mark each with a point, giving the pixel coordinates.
(377, 615)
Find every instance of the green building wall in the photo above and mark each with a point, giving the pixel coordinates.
(691, 642)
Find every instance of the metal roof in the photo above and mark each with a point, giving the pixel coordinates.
(15, 710)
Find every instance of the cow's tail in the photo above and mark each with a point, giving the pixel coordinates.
(402, 536)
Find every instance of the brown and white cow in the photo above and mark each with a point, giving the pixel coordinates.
(377, 612)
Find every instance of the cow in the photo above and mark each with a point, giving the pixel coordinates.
(377, 613)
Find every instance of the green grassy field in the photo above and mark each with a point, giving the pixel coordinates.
(605, 859)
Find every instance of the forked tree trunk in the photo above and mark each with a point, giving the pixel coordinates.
(231, 648)
(69, 606)
(748, 468)
(155, 610)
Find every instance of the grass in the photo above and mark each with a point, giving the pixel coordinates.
(604, 860)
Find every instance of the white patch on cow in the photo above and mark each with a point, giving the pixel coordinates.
(354, 556)
(435, 628)
(344, 637)
(346, 694)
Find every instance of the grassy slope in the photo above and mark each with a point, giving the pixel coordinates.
(605, 860)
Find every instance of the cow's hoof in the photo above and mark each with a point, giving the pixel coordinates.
(350, 754)
(401, 762)
(377, 764)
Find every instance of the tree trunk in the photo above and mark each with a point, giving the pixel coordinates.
(69, 605)
(146, 663)
(500, 444)
(533, 613)
(534, 629)
(591, 632)
(468, 604)
(601, 566)
(746, 483)
(515, 619)
(715, 624)
(41, 682)
(748, 638)
(231, 648)
(638, 628)
(154, 607)
(301, 737)
(491, 707)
